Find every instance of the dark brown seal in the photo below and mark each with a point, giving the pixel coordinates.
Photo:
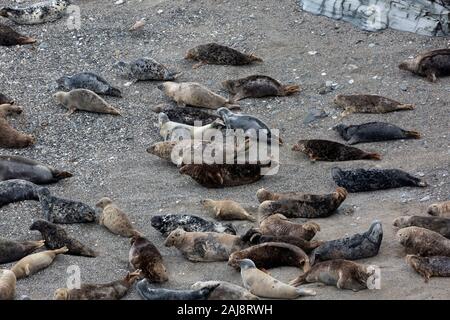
(213, 53)
(427, 267)
(305, 206)
(423, 242)
(9, 37)
(146, 257)
(11, 251)
(437, 224)
(272, 254)
(368, 103)
(325, 150)
(431, 64)
(186, 115)
(278, 225)
(257, 86)
(10, 137)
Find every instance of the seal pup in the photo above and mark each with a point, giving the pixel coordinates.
(325, 150)
(360, 180)
(257, 86)
(227, 210)
(225, 291)
(190, 223)
(7, 285)
(41, 12)
(254, 236)
(36, 262)
(279, 226)
(56, 237)
(423, 242)
(204, 246)
(17, 167)
(305, 206)
(194, 94)
(437, 224)
(145, 69)
(147, 292)
(340, 273)
(5, 99)
(358, 246)
(10, 137)
(213, 53)
(186, 115)
(17, 190)
(223, 175)
(9, 37)
(146, 257)
(170, 130)
(431, 64)
(270, 255)
(59, 210)
(427, 267)
(369, 103)
(11, 250)
(440, 209)
(84, 100)
(263, 285)
(114, 219)
(115, 290)
(373, 131)
(89, 81)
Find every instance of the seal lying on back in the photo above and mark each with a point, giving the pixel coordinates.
(325, 150)
(17, 190)
(204, 246)
(223, 175)
(367, 103)
(431, 64)
(213, 53)
(360, 180)
(7, 285)
(16, 167)
(272, 254)
(56, 237)
(194, 94)
(427, 267)
(146, 291)
(169, 222)
(263, 285)
(280, 226)
(144, 69)
(115, 290)
(440, 209)
(340, 273)
(437, 224)
(254, 236)
(257, 86)
(145, 256)
(186, 115)
(373, 131)
(89, 81)
(358, 246)
(84, 100)
(11, 251)
(10, 137)
(423, 242)
(41, 12)
(9, 37)
(305, 206)
(35, 262)
(59, 210)
(224, 291)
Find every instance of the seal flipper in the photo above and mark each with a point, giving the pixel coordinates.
(26, 40)
(115, 92)
(412, 134)
(290, 89)
(372, 156)
(60, 175)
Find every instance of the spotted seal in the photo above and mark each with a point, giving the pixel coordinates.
(224, 291)
(423, 242)
(11, 250)
(431, 64)
(148, 292)
(145, 69)
(227, 210)
(146, 257)
(369, 103)
(186, 115)
(427, 267)
(17, 190)
(84, 100)
(441, 209)
(41, 12)
(89, 81)
(437, 224)
(35, 262)
(280, 226)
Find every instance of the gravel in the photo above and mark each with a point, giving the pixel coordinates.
(107, 154)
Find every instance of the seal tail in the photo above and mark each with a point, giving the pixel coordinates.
(26, 40)
(306, 292)
(301, 279)
(290, 89)
(252, 58)
(59, 175)
(372, 156)
(114, 111)
(412, 134)
(406, 107)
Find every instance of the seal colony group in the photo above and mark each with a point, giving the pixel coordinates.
(274, 239)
